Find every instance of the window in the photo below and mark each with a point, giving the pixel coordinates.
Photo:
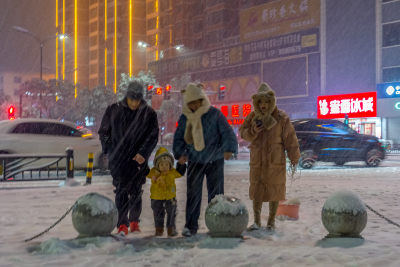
(215, 18)
(93, 40)
(391, 34)
(93, 55)
(93, 68)
(164, 5)
(151, 7)
(151, 40)
(164, 21)
(93, 13)
(391, 75)
(60, 130)
(338, 128)
(93, 26)
(17, 79)
(27, 128)
(151, 24)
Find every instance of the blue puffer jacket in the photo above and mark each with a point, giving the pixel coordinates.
(218, 138)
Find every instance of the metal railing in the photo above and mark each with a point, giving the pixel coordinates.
(30, 167)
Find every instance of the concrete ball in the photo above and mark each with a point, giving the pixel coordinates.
(94, 215)
(344, 215)
(226, 216)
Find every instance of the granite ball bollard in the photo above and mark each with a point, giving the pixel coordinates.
(226, 216)
(94, 215)
(344, 215)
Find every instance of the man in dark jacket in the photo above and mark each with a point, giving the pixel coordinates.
(205, 139)
(128, 134)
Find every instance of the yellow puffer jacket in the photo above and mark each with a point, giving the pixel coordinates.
(164, 188)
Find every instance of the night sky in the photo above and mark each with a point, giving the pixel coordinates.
(19, 52)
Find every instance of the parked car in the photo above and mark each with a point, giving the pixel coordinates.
(45, 136)
(334, 141)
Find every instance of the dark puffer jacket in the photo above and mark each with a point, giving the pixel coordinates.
(124, 133)
(218, 137)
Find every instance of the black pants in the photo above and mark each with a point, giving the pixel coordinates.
(214, 172)
(160, 207)
(128, 196)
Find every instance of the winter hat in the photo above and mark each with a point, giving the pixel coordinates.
(264, 92)
(194, 128)
(162, 154)
(135, 90)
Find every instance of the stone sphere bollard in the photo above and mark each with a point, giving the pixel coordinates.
(94, 215)
(226, 216)
(344, 215)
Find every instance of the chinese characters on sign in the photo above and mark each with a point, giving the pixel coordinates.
(354, 105)
(235, 113)
(277, 18)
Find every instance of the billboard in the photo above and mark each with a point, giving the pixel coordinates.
(354, 105)
(225, 62)
(278, 18)
(388, 90)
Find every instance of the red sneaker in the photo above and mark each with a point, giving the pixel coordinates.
(123, 228)
(134, 227)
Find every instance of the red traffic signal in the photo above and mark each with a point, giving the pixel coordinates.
(167, 92)
(221, 92)
(11, 113)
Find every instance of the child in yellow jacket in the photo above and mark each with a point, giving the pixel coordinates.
(163, 190)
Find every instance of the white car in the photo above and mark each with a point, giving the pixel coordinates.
(45, 136)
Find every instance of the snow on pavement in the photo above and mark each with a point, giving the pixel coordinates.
(30, 207)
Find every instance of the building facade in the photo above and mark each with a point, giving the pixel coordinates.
(102, 40)
(388, 68)
(302, 48)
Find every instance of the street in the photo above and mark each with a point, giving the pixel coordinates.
(30, 207)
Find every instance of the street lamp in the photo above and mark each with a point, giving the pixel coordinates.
(41, 45)
(143, 44)
(176, 47)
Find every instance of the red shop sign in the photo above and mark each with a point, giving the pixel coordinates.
(354, 105)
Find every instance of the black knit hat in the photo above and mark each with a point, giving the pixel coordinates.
(135, 90)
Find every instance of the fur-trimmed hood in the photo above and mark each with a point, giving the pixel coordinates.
(264, 92)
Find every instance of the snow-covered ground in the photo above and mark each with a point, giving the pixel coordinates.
(28, 208)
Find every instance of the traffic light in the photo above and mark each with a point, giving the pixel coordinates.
(167, 92)
(149, 91)
(346, 119)
(11, 113)
(221, 92)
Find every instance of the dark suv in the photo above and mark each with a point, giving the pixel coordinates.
(334, 141)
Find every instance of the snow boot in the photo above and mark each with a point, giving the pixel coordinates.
(273, 207)
(257, 216)
(254, 227)
(159, 231)
(123, 229)
(172, 231)
(186, 232)
(134, 227)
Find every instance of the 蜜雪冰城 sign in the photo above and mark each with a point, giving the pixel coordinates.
(354, 105)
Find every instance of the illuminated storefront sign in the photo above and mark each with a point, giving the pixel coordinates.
(354, 105)
(235, 113)
(397, 105)
(388, 90)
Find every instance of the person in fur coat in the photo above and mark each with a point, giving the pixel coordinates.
(205, 139)
(270, 134)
